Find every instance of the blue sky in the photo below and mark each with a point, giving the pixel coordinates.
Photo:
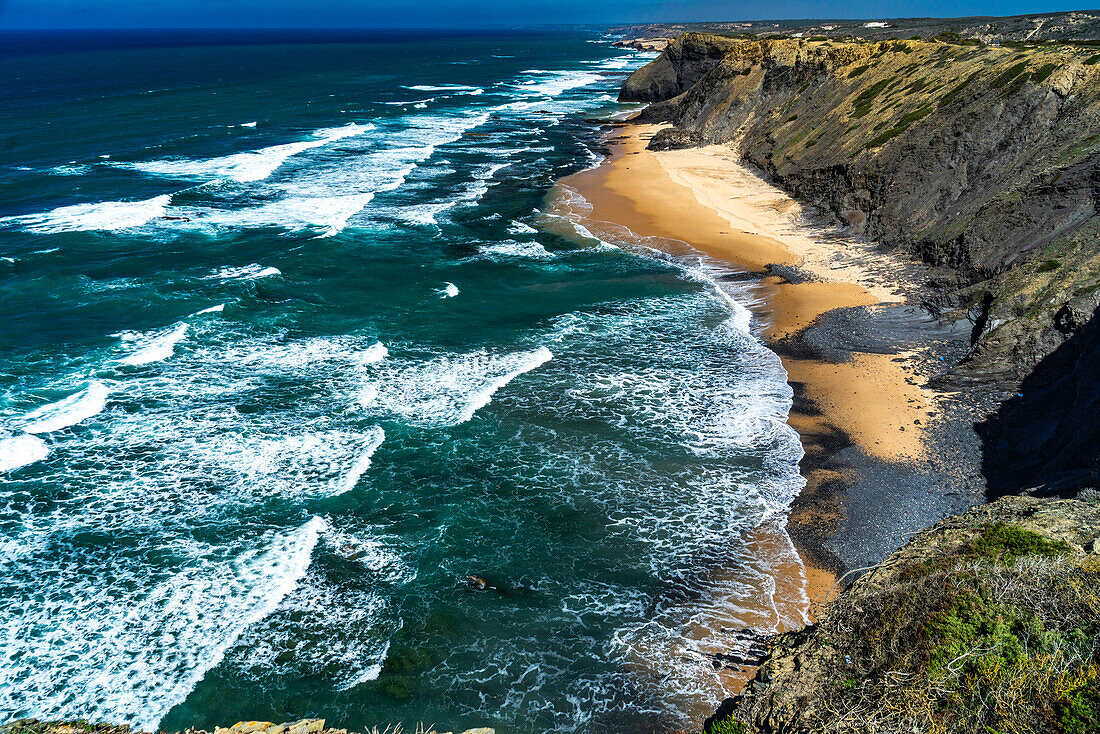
(464, 13)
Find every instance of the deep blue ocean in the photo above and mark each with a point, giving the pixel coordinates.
(293, 341)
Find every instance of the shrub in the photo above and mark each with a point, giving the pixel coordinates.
(863, 103)
(1043, 73)
(997, 540)
(884, 138)
(858, 70)
(1009, 74)
(950, 96)
(727, 726)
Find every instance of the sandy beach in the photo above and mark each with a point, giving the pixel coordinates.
(705, 200)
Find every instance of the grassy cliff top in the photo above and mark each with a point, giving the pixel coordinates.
(988, 622)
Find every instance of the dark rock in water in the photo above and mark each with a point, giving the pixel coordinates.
(478, 583)
(674, 138)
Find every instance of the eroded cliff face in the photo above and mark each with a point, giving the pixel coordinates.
(983, 160)
(681, 64)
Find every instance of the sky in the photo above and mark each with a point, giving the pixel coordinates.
(467, 13)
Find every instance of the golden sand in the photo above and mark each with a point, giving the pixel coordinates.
(704, 199)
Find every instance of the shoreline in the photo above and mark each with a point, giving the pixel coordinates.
(861, 411)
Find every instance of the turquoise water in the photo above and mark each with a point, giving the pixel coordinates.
(292, 343)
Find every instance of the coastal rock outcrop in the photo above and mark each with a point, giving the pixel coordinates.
(681, 64)
(983, 161)
(302, 726)
(987, 621)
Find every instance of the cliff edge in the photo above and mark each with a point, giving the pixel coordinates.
(982, 161)
(986, 622)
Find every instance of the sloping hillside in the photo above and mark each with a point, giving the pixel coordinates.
(982, 160)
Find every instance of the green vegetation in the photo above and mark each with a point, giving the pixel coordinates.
(858, 70)
(910, 117)
(947, 98)
(863, 103)
(1092, 59)
(989, 628)
(792, 118)
(746, 71)
(904, 124)
(917, 85)
(728, 726)
(998, 541)
(980, 646)
(1008, 75)
(1043, 73)
(884, 138)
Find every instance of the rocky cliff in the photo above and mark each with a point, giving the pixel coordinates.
(302, 726)
(987, 622)
(983, 161)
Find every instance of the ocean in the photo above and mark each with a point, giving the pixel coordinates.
(293, 342)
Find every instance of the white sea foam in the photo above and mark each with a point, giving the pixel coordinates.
(374, 353)
(253, 165)
(129, 649)
(213, 309)
(105, 215)
(246, 272)
(449, 290)
(152, 346)
(442, 88)
(19, 451)
(520, 228)
(314, 621)
(328, 213)
(74, 409)
(347, 482)
(425, 214)
(512, 249)
(72, 169)
(248, 124)
(446, 391)
(555, 83)
(411, 102)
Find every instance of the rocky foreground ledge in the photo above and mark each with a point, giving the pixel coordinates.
(302, 726)
(987, 622)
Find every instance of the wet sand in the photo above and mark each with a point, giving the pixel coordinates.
(705, 200)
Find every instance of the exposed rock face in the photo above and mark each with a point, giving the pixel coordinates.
(675, 138)
(679, 66)
(643, 44)
(984, 160)
(302, 726)
(892, 653)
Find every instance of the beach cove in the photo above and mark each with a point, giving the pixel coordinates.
(705, 201)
